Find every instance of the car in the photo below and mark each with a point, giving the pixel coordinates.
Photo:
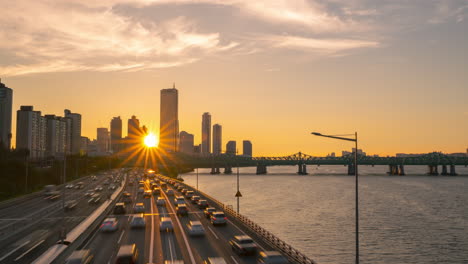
(160, 201)
(179, 200)
(127, 254)
(147, 194)
(109, 225)
(243, 245)
(119, 208)
(69, 186)
(156, 191)
(181, 209)
(208, 211)
(189, 194)
(95, 198)
(170, 192)
(272, 257)
(184, 191)
(89, 193)
(166, 224)
(195, 228)
(202, 204)
(141, 190)
(218, 218)
(112, 187)
(70, 204)
(163, 185)
(130, 183)
(80, 257)
(139, 208)
(127, 197)
(98, 188)
(195, 199)
(180, 188)
(94, 178)
(138, 221)
(217, 260)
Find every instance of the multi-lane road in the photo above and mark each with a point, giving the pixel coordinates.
(157, 247)
(30, 227)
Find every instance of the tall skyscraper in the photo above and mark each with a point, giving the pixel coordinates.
(133, 129)
(74, 131)
(247, 148)
(217, 139)
(169, 120)
(231, 147)
(31, 132)
(55, 136)
(6, 101)
(206, 133)
(186, 142)
(116, 134)
(103, 140)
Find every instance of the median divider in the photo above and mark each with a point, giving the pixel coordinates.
(76, 237)
(267, 237)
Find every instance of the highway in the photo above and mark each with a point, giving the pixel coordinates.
(29, 228)
(156, 247)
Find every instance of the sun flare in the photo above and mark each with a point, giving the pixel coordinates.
(151, 140)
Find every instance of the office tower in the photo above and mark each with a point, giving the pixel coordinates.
(231, 147)
(247, 148)
(102, 140)
(206, 133)
(6, 101)
(116, 134)
(74, 132)
(31, 132)
(84, 145)
(169, 120)
(56, 131)
(133, 129)
(217, 139)
(186, 142)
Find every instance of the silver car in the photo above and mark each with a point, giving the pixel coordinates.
(218, 218)
(195, 228)
(160, 201)
(166, 224)
(109, 225)
(138, 221)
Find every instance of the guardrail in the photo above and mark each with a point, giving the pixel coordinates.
(262, 233)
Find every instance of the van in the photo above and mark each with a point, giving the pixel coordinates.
(127, 254)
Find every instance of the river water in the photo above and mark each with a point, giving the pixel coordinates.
(403, 219)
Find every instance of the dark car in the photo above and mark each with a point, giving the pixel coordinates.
(243, 245)
(208, 211)
(181, 209)
(272, 257)
(119, 208)
(202, 204)
(80, 257)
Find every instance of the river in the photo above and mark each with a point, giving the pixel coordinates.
(403, 219)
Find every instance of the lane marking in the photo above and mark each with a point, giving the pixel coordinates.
(15, 249)
(152, 233)
(29, 250)
(233, 259)
(120, 238)
(213, 232)
(169, 243)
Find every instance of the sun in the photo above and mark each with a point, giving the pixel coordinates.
(151, 141)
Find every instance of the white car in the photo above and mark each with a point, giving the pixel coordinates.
(166, 224)
(109, 225)
(160, 201)
(138, 221)
(218, 218)
(195, 228)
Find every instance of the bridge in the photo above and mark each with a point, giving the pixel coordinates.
(395, 164)
(31, 227)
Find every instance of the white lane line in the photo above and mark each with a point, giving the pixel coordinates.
(244, 233)
(14, 250)
(213, 232)
(169, 245)
(120, 238)
(233, 259)
(152, 233)
(29, 250)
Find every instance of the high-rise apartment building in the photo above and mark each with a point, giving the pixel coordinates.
(56, 128)
(206, 133)
(217, 139)
(133, 128)
(103, 140)
(116, 134)
(186, 142)
(74, 132)
(231, 147)
(31, 132)
(247, 148)
(6, 101)
(169, 120)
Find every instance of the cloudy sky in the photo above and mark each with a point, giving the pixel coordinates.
(268, 71)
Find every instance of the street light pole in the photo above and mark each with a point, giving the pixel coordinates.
(355, 139)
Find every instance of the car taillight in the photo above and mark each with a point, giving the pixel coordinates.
(225, 218)
(102, 225)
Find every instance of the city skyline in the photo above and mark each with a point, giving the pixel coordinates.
(393, 71)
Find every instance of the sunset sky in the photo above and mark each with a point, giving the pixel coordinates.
(270, 71)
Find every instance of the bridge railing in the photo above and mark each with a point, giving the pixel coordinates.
(264, 234)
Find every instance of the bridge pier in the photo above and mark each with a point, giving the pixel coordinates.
(452, 170)
(401, 170)
(444, 170)
(261, 169)
(302, 169)
(228, 170)
(351, 169)
(214, 170)
(433, 170)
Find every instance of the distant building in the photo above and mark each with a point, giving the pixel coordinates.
(231, 147)
(31, 132)
(217, 138)
(331, 155)
(55, 136)
(169, 120)
(6, 102)
(197, 149)
(133, 128)
(346, 153)
(247, 148)
(186, 142)
(206, 133)
(461, 154)
(116, 134)
(103, 140)
(404, 155)
(74, 132)
(84, 145)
